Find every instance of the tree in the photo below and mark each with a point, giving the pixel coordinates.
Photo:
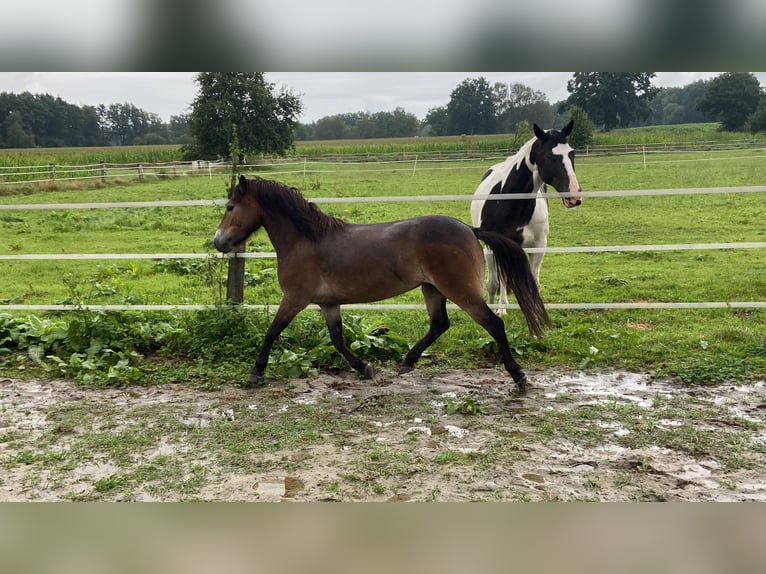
(582, 131)
(243, 101)
(757, 121)
(90, 127)
(517, 103)
(126, 124)
(330, 128)
(396, 124)
(15, 134)
(471, 109)
(612, 99)
(178, 129)
(436, 121)
(678, 105)
(731, 98)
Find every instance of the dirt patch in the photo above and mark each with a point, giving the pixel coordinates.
(456, 435)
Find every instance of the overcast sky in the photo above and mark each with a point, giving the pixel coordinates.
(322, 93)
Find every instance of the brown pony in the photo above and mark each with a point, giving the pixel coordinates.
(329, 262)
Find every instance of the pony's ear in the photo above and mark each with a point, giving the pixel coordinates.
(242, 181)
(568, 128)
(539, 132)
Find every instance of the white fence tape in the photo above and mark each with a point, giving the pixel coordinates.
(272, 254)
(219, 202)
(389, 198)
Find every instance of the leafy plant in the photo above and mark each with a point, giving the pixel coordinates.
(468, 405)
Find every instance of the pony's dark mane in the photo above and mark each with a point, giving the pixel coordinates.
(279, 199)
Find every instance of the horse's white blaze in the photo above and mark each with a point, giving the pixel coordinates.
(564, 150)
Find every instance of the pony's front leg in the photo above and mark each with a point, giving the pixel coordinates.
(332, 317)
(284, 315)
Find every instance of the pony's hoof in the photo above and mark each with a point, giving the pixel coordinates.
(522, 385)
(256, 380)
(404, 369)
(369, 371)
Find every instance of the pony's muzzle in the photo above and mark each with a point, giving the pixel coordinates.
(572, 200)
(222, 241)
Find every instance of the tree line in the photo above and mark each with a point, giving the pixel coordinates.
(235, 114)
(609, 100)
(41, 120)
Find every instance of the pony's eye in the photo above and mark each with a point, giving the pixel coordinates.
(229, 208)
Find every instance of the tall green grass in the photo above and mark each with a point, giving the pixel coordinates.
(89, 155)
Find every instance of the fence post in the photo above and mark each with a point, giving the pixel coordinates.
(103, 172)
(235, 283)
(141, 172)
(51, 171)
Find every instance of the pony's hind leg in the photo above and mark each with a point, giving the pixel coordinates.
(483, 315)
(436, 304)
(334, 322)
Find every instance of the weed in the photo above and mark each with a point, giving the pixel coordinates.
(613, 280)
(468, 405)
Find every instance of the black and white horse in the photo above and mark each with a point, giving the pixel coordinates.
(547, 158)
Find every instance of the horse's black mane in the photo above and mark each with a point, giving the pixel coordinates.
(280, 199)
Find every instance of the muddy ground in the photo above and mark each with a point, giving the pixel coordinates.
(459, 435)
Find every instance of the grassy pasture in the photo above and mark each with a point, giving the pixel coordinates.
(695, 346)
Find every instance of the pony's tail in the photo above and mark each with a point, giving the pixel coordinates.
(513, 267)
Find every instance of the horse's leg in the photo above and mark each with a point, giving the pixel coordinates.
(436, 304)
(503, 298)
(483, 315)
(494, 285)
(332, 317)
(285, 313)
(535, 261)
(536, 235)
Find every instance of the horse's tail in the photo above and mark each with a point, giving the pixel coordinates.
(513, 267)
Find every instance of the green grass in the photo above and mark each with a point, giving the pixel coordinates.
(695, 346)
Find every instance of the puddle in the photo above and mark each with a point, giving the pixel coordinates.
(532, 477)
(614, 386)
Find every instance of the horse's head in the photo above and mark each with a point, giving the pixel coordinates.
(554, 159)
(243, 216)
